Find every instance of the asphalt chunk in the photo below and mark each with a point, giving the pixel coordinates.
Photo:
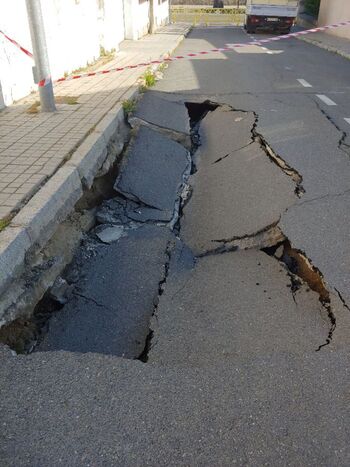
(114, 299)
(152, 172)
(227, 308)
(324, 237)
(240, 196)
(222, 132)
(155, 108)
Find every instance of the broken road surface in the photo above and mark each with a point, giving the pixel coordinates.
(202, 324)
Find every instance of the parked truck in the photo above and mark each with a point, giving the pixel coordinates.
(278, 15)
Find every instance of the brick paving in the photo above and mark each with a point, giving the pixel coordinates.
(33, 146)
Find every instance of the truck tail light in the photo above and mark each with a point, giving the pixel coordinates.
(255, 19)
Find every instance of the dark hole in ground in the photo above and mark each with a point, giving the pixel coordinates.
(198, 110)
(22, 334)
(298, 265)
(143, 357)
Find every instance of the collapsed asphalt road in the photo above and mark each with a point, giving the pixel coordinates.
(192, 329)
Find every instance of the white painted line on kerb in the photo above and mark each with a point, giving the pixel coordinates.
(325, 99)
(347, 120)
(304, 83)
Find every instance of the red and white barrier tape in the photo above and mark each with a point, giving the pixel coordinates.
(292, 34)
(229, 47)
(17, 45)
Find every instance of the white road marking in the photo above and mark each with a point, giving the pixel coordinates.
(304, 83)
(347, 120)
(325, 99)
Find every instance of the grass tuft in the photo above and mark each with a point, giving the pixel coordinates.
(4, 223)
(129, 106)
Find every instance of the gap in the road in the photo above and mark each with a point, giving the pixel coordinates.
(196, 112)
(23, 334)
(300, 270)
(271, 240)
(282, 164)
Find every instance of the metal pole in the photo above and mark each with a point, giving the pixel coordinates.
(151, 17)
(42, 68)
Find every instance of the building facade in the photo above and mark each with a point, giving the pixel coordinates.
(333, 11)
(77, 31)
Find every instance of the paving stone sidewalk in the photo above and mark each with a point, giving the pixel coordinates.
(34, 145)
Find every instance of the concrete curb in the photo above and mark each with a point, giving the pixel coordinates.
(324, 46)
(36, 222)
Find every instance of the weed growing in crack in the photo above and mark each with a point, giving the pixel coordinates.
(129, 106)
(148, 80)
(4, 223)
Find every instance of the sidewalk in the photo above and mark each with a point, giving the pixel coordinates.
(33, 146)
(328, 42)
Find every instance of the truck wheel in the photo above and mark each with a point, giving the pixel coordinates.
(250, 31)
(286, 31)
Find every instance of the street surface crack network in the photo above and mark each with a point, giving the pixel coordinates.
(342, 145)
(268, 239)
(230, 153)
(299, 268)
(342, 299)
(90, 299)
(279, 161)
(149, 343)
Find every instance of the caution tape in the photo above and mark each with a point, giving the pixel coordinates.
(229, 47)
(17, 45)
(293, 34)
(211, 10)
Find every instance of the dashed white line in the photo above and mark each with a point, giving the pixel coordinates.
(325, 99)
(347, 120)
(304, 83)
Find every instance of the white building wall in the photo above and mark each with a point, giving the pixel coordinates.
(334, 11)
(136, 19)
(75, 31)
(161, 12)
(16, 79)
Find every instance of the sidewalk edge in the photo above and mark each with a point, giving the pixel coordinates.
(329, 48)
(36, 222)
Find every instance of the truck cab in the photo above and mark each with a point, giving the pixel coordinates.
(276, 15)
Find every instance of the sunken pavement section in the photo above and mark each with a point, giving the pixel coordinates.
(230, 350)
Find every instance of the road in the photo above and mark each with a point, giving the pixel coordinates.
(206, 318)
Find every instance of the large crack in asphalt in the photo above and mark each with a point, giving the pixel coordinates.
(143, 357)
(269, 239)
(342, 145)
